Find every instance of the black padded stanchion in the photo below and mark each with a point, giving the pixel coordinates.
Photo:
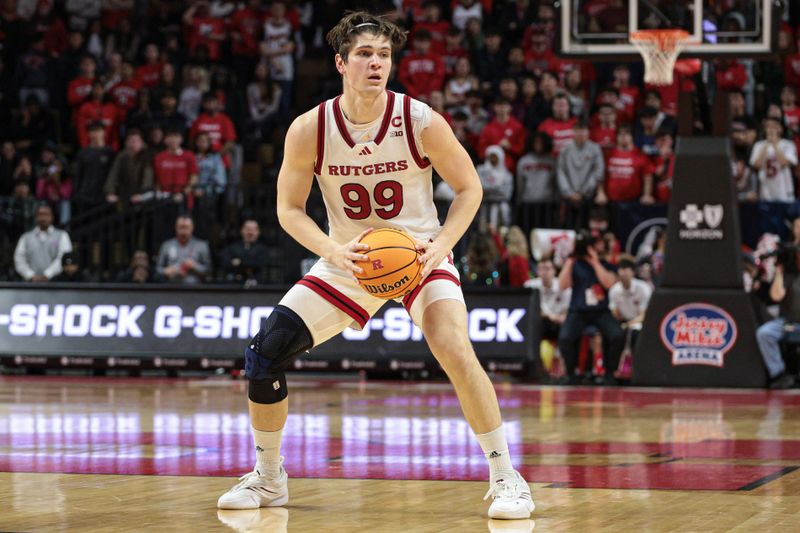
(700, 326)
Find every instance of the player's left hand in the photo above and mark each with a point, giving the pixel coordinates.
(431, 255)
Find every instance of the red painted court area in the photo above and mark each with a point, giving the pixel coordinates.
(616, 438)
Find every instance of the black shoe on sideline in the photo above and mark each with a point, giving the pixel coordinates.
(782, 382)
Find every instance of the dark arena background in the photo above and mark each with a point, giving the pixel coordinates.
(140, 251)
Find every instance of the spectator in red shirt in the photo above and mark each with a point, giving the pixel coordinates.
(124, 92)
(629, 173)
(791, 113)
(217, 124)
(539, 58)
(560, 126)
(629, 94)
(663, 167)
(80, 88)
(98, 109)
(204, 30)
(149, 74)
(432, 22)
(175, 169)
(245, 29)
(731, 75)
(604, 132)
(504, 131)
(421, 71)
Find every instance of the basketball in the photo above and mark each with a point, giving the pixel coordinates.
(392, 269)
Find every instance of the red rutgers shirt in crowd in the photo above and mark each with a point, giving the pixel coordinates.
(174, 170)
(625, 173)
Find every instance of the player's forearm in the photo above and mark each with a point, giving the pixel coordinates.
(460, 215)
(304, 230)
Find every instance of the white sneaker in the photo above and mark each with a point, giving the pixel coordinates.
(254, 491)
(511, 498)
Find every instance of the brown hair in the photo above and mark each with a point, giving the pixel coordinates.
(343, 35)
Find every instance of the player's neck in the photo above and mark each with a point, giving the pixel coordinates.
(360, 108)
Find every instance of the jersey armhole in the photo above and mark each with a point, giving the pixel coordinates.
(412, 143)
(320, 138)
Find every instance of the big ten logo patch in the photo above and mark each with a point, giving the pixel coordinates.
(698, 334)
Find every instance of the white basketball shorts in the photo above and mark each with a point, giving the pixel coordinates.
(329, 300)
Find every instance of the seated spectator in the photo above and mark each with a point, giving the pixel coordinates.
(131, 173)
(465, 10)
(498, 184)
(33, 127)
(244, 262)
(536, 172)
(774, 158)
(504, 131)
(628, 100)
(644, 135)
(743, 176)
(70, 271)
(421, 71)
(184, 259)
(560, 126)
(17, 213)
(784, 289)
(125, 91)
(9, 159)
(481, 265)
(39, 251)
(553, 302)
(191, 96)
(628, 299)
(432, 23)
(149, 74)
(139, 271)
(277, 49)
(453, 50)
(574, 87)
(54, 186)
(91, 171)
(263, 102)
(490, 60)
(629, 173)
(477, 116)
(514, 269)
(175, 169)
(461, 82)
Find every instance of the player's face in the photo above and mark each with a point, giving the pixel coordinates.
(368, 63)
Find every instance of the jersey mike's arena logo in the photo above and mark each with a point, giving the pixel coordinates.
(698, 334)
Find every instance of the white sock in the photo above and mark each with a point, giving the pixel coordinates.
(495, 448)
(268, 452)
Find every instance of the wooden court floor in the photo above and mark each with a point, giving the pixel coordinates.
(81, 454)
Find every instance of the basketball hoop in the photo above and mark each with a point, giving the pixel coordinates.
(660, 50)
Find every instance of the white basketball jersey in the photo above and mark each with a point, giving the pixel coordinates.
(376, 175)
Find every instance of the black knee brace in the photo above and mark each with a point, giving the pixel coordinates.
(282, 337)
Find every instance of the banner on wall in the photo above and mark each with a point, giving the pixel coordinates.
(173, 325)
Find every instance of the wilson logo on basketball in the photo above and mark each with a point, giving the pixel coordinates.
(385, 288)
(698, 334)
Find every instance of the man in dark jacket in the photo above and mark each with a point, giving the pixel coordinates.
(91, 171)
(245, 261)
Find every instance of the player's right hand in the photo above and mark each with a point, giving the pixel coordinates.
(345, 255)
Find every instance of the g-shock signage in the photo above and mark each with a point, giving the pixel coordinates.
(698, 334)
(701, 224)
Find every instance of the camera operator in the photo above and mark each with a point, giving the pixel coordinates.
(785, 290)
(590, 279)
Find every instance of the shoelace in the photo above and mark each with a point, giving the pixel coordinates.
(507, 490)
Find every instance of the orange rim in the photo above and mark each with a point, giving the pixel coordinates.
(664, 39)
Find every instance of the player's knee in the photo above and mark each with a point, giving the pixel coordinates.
(281, 339)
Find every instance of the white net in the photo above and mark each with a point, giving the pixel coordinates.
(660, 49)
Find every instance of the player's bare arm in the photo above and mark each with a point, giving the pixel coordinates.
(294, 185)
(455, 167)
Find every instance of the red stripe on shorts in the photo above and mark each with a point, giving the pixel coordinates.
(335, 297)
(408, 301)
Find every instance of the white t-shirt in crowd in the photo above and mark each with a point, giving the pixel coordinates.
(552, 301)
(776, 183)
(629, 302)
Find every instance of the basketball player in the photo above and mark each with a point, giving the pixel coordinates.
(371, 151)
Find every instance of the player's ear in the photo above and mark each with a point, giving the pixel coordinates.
(340, 63)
